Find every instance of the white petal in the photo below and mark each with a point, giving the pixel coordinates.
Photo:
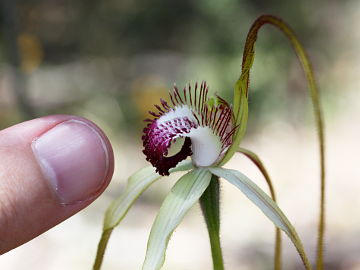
(206, 146)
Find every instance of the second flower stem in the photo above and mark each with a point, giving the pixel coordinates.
(256, 160)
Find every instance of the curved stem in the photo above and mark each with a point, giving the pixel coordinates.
(256, 160)
(270, 209)
(243, 86)
(209, 203)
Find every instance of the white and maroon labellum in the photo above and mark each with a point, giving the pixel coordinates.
(207, 129)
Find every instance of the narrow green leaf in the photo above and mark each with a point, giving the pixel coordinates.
(210, 206)
(182, 197)
(266, 205)
(137, 184)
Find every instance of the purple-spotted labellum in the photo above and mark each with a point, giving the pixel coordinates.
(207, 129)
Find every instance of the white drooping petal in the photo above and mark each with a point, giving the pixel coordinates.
(205, 145)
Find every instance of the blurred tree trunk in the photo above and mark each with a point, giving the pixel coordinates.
(18, 78)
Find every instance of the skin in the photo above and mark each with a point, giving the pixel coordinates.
(29, 205)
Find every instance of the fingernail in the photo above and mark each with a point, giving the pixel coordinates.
(74, 159)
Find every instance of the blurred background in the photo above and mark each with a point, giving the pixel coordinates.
(110, 61)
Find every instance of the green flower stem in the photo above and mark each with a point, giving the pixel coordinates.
(265, 204)
(210, 206)
(256, 160)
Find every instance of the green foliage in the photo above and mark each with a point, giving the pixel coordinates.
(137, 184)
(265, 204)
(181, 198)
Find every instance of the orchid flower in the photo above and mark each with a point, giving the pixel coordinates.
(211, 130)
(208, 129)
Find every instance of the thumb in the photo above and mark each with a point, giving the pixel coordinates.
(50, 168)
